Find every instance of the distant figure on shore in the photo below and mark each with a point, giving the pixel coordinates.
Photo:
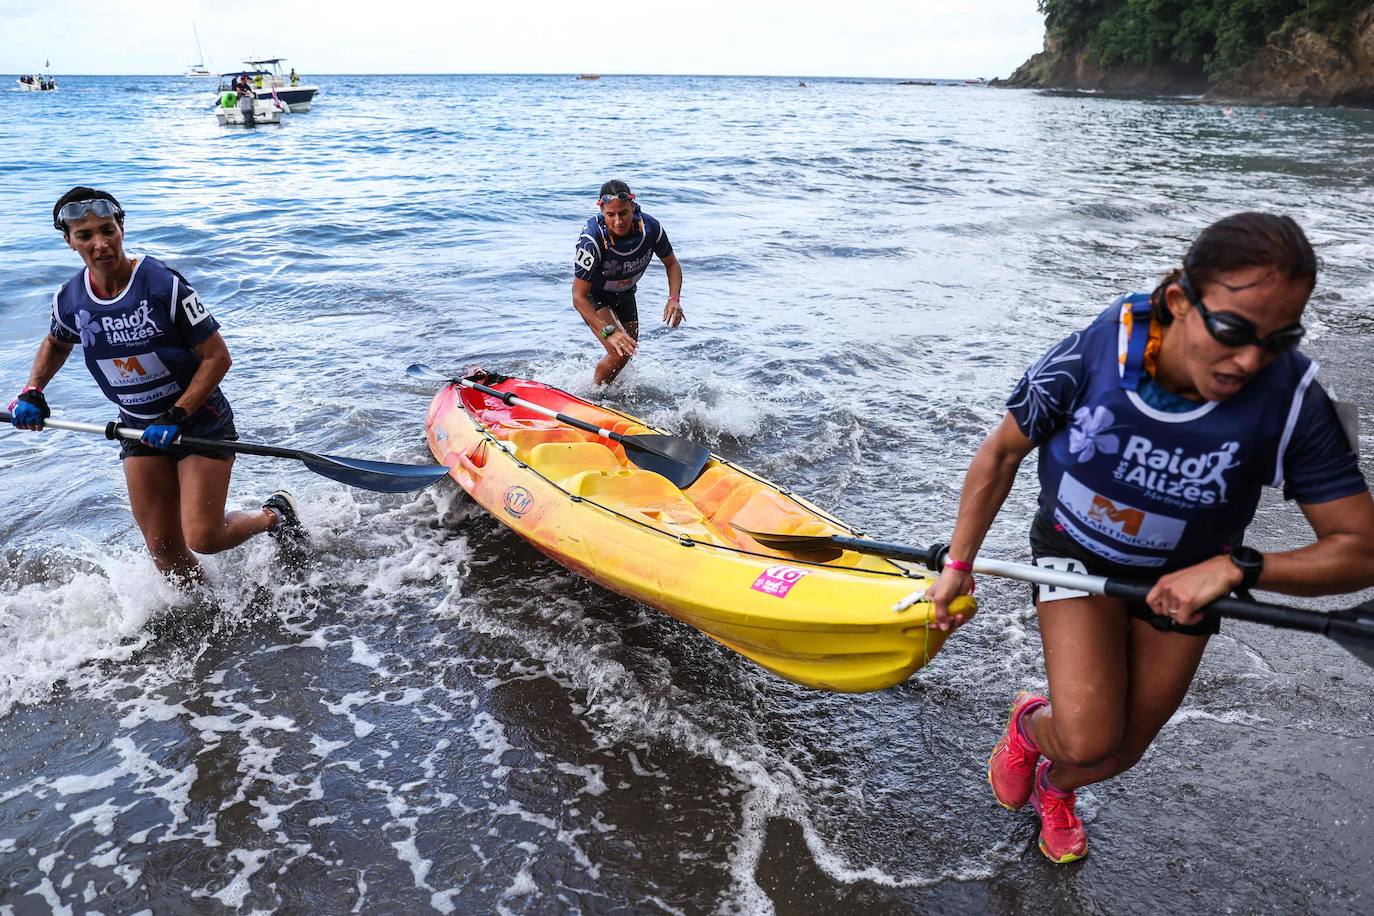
(612, 254)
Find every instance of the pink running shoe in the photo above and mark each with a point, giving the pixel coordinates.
(1011, 768)
(1062, 837)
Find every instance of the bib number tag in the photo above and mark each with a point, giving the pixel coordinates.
(585, 259)
(196, 312)
(1058, 592)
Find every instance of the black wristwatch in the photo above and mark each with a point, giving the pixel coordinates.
(1251, 564)
(607, 331)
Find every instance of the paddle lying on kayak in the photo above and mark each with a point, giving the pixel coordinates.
(678, 459)
(1352, 628)
(381, 476)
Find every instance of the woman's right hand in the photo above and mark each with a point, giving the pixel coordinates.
(622, 343)
(951, 584)
(29, 410)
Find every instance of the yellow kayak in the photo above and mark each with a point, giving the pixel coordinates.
(575, 497)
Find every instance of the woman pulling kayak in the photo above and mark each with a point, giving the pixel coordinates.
(1158, 425)
(156, 352)
(612, 254)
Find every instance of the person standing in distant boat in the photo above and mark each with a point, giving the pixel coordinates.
(295, 80)
(612, 254)
(156, 352)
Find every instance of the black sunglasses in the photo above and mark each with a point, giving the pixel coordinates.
(1232, 330)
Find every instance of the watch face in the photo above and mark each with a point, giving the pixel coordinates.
(1247, 558)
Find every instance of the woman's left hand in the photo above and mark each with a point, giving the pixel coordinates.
(672, 313)
(1181, 595)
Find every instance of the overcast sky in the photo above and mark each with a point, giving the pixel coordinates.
(896, 38)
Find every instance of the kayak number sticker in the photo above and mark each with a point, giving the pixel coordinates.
(518, 501)
(777, 580)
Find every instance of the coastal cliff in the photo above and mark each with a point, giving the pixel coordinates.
(1313, 54)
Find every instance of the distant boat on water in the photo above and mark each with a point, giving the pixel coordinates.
(198, 68)
(270, 84)
(37, 83)
(589, 76)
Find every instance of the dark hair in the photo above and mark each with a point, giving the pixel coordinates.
(1235, 243)
(615, 186)
(81, 192)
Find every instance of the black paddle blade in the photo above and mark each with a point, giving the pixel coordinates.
(380, 476)
(793, 543)
(817, 547)
(680, 460)
(1354, 630)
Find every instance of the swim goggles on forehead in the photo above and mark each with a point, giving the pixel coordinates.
(1232, 330)
(619, 195)
(74, 210)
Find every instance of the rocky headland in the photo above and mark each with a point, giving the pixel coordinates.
(1332, 64)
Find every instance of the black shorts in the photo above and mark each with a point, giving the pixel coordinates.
(621, 304)
(1047, 541)
(204, 424)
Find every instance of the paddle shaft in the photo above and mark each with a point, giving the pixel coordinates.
(508, 398)
(933, 558)
(113, 430)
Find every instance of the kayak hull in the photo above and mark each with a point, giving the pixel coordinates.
(829, 625)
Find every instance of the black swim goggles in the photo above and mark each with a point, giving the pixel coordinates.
(1232, 330)
(74, 210)
(618, 195)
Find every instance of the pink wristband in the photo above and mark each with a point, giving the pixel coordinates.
(959, 565)
(674, 299)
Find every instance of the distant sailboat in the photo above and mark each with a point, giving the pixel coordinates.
(198, 68)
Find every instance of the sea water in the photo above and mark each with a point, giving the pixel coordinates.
(430, 716)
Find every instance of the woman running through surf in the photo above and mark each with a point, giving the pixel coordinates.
(1158, 425)
(612, 254)
(157, 354)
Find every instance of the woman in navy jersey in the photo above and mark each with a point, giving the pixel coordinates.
(157, 354)
(612, 254)
(1157, 426)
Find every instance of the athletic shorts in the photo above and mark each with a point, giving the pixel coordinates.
(621, 304)
(1049, 542)
(204, 424)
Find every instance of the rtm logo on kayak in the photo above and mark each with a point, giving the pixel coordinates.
(778, 580)
(518, 501)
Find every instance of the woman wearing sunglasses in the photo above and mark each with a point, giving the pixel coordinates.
(1157, 426)
(612, 254)
(156, 352)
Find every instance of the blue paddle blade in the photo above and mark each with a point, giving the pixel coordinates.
(380, 476)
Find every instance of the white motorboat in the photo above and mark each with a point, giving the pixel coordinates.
(36, 83)
(247, 111)
(269, 82)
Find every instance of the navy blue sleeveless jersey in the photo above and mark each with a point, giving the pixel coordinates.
(1142, 487)
(616, 267)
(139, 345)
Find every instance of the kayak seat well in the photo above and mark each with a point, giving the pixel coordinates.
(524, 441)
(564, 459)
(724, 495)
(644, 492)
